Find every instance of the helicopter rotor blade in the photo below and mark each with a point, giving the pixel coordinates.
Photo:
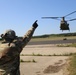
(70, 14)
(56, 18)
(49, 17)
(72, 19)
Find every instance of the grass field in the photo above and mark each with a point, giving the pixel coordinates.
(53, 38)
(72, 65)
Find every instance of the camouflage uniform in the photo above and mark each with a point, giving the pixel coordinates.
(10, 55)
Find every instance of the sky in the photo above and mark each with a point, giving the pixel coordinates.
(19, 15)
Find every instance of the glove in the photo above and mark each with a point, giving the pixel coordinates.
(1, 35)
(35, 25)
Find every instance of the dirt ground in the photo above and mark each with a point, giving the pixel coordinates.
(45, 65)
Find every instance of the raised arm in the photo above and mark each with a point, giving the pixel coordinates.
(28, 35)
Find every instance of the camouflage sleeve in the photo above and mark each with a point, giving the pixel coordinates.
(20, 44)
(27, 36)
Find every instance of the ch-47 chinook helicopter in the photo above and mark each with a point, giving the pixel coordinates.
(64, 25)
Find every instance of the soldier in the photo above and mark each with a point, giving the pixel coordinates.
(10, 55)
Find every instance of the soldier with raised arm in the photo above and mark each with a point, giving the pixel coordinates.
(10, 54)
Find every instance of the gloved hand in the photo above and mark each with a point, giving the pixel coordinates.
(35, 25)
(2, 35)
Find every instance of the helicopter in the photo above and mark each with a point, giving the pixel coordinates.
(64, 25)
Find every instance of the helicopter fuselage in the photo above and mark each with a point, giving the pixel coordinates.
(64, 25)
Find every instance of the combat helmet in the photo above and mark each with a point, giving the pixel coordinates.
(9, 35)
